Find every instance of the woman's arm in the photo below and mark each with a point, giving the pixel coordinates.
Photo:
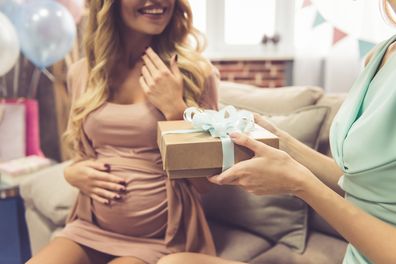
(371, 236)
(273, 171)
(325, 168)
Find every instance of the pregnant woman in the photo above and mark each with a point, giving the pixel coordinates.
(140, 68)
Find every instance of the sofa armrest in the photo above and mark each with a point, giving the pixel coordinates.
(48, 192)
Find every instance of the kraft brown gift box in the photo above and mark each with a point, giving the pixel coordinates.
(199, 154)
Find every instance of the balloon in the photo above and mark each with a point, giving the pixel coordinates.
(75, 7)
(11, 7)
(9, 45)
(46, 32)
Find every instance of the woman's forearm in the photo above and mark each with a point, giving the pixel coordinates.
(324, 167)
(374, 238)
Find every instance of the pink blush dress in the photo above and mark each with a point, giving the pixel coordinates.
(124, 136)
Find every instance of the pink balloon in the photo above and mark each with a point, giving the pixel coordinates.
(75, 7)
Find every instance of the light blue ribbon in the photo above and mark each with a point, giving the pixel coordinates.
(219, 124)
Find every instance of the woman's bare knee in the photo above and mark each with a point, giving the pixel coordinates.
(65, 251)
(193, 258)
(127, 260)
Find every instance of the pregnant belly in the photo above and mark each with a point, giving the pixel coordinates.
(142, 210)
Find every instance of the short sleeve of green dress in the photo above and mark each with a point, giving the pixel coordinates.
(363, 142)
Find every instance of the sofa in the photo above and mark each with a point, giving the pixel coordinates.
(305, 112)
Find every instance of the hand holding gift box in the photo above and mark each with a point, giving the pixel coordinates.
(199, 145)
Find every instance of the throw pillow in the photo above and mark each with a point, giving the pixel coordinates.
(277, 218)
(48, 191)
(304, 124)
(268, 100)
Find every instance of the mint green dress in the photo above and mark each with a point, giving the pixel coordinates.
(363, 143)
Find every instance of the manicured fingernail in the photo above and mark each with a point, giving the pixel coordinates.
(117, 197)
(123, 183)
(123, 189)
(107, 202)
(107, 167)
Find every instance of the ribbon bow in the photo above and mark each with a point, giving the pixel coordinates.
(220, 123)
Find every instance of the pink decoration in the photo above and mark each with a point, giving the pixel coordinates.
(75, 7)
(32, 125)
(338, 35)
(306, 3)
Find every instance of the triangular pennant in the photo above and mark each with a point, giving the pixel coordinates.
(338, 35)
(364, 47)
(319, 19)
(306, 3)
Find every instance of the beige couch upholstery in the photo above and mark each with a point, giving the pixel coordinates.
(305, 112)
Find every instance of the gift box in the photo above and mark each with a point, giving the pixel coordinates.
(198, 154)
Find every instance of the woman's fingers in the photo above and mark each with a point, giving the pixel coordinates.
(110, 186)
(231, 176)
(144, 85)
(99, 199)
(105, 194)
(104, 176)
(254, 145)
(174, 68)
(97, 165)
(156, 60)
(148, 64)
(148, 78)
(265, 123)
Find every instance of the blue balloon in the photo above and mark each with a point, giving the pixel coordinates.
(9, 8)
(46, 32)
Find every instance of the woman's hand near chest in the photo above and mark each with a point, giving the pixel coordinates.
(163, 86)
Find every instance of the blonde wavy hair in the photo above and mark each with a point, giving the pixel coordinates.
(103, 46)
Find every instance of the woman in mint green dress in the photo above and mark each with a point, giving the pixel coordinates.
(363, 143)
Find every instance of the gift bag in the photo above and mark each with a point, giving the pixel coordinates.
(32, 132)
(12, 131)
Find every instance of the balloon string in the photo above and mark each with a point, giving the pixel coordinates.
(35, 82)
(3, 86)
(48, 74)
(16, 79)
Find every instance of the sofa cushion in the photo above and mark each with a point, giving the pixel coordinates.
(48, 191)
(280, 219)
(277, 218)
(334, 102)
(320, 249)
(235, 244)
(304, 124)
(268, 100)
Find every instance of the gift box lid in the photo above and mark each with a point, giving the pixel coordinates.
(199, 150)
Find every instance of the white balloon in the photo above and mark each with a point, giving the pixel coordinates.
(9, 45)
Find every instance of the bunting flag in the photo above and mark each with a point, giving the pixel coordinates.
(338, 35)
(306, 3)
(319, 19)
(364, 47)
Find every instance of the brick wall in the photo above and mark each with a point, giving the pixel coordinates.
(262, 73)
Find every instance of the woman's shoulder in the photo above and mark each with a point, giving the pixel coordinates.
(77, 77)
(373, 52)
